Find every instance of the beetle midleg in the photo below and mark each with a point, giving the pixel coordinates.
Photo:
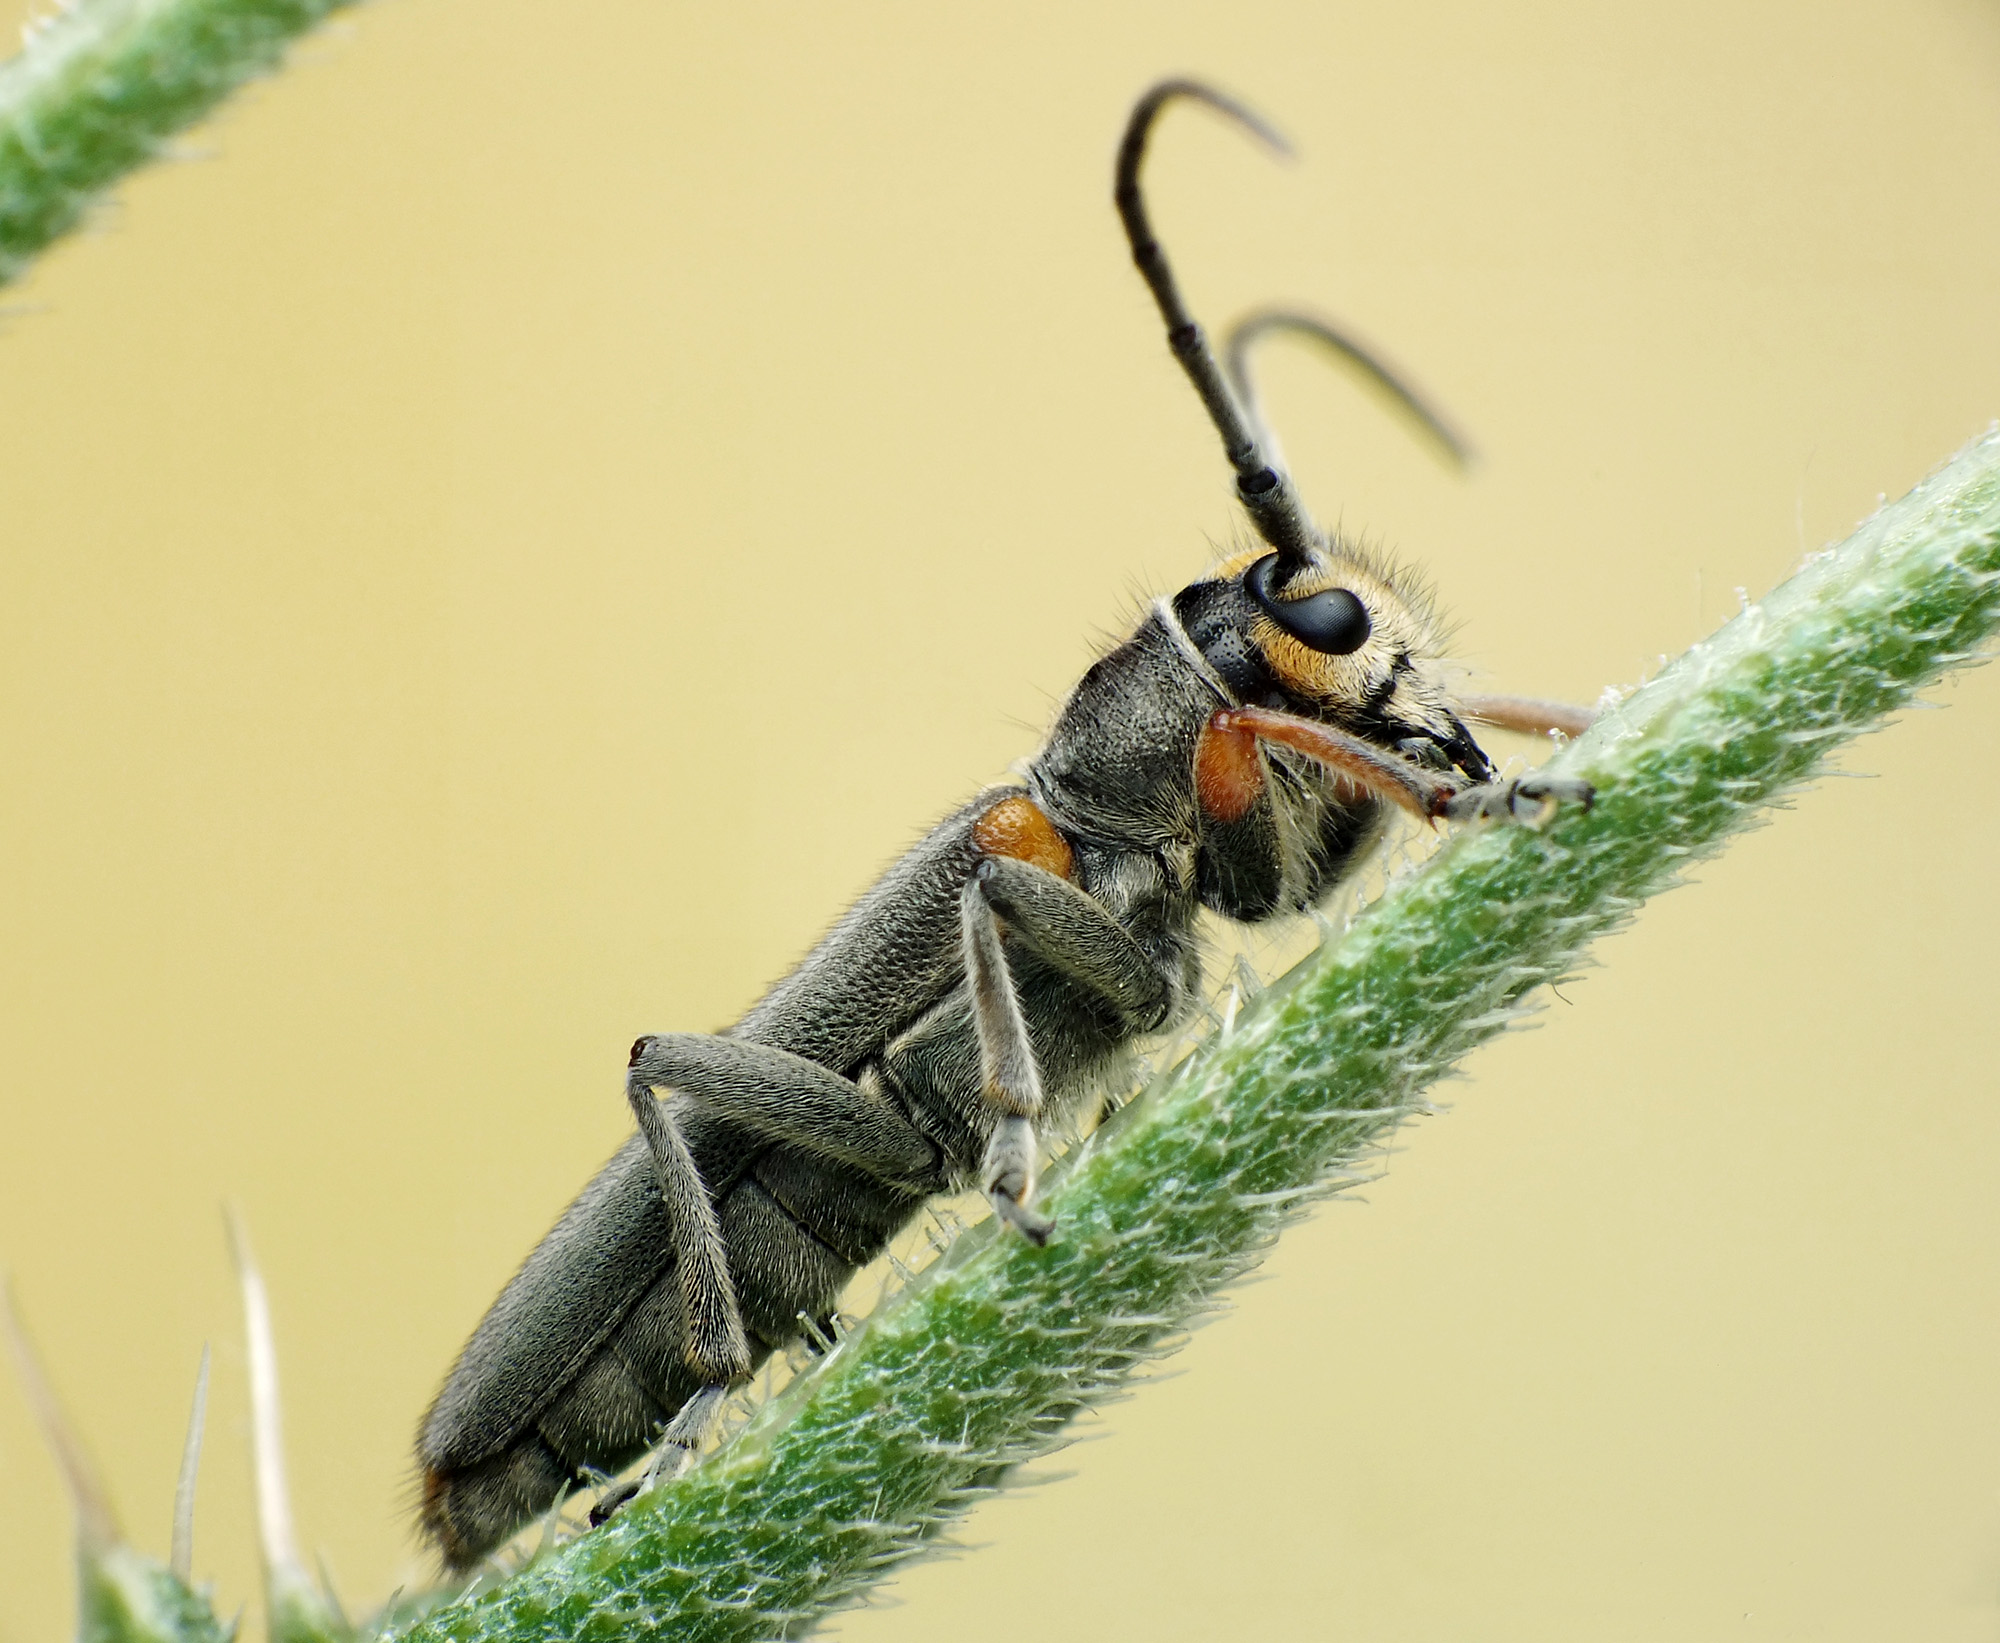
(1074, 932)
(788, 1098)
(1529, 715)
(1009, 1080)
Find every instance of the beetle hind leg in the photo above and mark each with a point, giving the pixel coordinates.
(686, 1433)
(716, 1348)
(680, 1441)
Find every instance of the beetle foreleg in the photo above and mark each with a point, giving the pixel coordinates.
(1423, 792)
(1532, 798)
(1369, 768)
(1009, 1080)
(715, 1345)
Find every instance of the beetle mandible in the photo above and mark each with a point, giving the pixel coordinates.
(1238, 751)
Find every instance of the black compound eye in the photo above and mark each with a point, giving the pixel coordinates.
(1334, 622)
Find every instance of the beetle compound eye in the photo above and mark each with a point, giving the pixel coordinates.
(1334, 623)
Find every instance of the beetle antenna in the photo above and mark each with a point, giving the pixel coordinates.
(1262, 486)
(1253, 328)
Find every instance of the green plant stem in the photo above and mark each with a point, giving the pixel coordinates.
(99, 87)
(983, 1361)
(124, 1596)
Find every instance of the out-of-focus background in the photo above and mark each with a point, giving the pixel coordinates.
(536, 506)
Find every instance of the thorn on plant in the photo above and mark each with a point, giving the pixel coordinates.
(96, 1526)
(181, 1558)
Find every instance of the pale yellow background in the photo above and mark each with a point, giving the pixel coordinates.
(508, 536)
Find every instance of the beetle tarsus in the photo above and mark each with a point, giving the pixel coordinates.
(614, 1500)
(1031, 1224)
(684, 1436)
(1531, 800)
(1010, 1178)
(680, 1442)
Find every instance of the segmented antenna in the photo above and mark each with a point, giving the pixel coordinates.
(1253, 328)
(1263, 487)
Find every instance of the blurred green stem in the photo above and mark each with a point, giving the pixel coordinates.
(97, 88)
(984, 1360)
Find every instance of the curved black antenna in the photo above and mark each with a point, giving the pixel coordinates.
(1263, 487)
(1253, 328)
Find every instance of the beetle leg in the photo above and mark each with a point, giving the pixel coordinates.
(1365, 766)
(684, 1436)
(1010, 1082)
(716, 1348)
(680, 1442)
(1532, 798)
(787, 1098)
(1529, 715)
(1074, 932)
(1425, 793)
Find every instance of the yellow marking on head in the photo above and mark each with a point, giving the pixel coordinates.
(1403, 643)
(1313, 674)
(1237, 563)
(1402, 623)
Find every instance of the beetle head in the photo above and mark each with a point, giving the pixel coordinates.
(1344, 638)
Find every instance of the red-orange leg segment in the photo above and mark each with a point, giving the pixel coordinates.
(1228, 774)
(1368, 767)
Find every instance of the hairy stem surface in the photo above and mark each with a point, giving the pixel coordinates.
(97, 88)
(983, 1361)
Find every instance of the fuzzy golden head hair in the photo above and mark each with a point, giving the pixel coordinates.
(1394, 675)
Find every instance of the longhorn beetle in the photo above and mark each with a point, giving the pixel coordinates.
(1239, 751)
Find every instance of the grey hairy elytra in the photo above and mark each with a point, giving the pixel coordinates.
(1239, 751)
